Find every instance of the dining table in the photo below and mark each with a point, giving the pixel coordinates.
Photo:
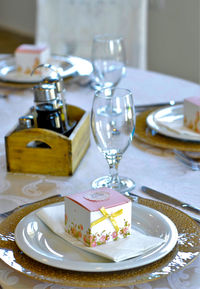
(147, 164)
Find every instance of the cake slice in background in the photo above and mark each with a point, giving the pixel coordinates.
(192, 113)
(29, 56)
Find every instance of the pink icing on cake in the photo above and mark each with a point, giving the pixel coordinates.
(30, 48)
(194, 99)
(112, 198)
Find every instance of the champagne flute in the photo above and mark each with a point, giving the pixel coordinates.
(113, 126)
(108, 59)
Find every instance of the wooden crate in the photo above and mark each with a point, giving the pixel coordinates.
(60, 158)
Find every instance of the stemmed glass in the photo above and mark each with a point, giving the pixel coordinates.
(113, 125)
(108, 59)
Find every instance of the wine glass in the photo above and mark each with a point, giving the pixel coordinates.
(113, 126)
(108, 59)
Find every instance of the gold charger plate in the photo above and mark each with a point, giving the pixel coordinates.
(186, 251)
(144, 133)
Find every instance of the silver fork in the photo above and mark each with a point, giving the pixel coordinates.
(188, 161)
(6, 214)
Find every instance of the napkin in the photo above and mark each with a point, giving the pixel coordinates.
(134, 245)
(176, 126)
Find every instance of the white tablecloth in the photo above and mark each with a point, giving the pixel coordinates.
(146, 165)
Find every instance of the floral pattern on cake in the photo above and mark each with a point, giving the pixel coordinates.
(197, 122)
(75, 230)
(193, 125)
(93, 240)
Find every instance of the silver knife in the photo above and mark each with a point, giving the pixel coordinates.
(143, 107)
(170, 200)
(136, 198)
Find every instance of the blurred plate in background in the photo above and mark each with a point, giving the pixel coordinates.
(68, 67)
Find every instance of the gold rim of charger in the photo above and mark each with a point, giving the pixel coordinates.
(143, 133)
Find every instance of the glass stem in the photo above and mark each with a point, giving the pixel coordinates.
(113, 170)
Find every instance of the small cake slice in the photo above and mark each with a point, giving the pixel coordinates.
(98, 216)
(192, 113)
(29, 56)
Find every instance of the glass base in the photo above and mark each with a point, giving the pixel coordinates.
(125, 184)
(97, 86)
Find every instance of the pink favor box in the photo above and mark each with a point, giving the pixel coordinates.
(29, 56)
(98, 216)
(192, 113)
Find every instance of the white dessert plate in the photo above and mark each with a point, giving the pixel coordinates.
(168, 121)
(35, 239)
(67, 67)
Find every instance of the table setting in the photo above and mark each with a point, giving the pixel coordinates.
(134, 125)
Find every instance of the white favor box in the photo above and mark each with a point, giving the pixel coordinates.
(28, 56)
(98, 216)
(192, 113)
